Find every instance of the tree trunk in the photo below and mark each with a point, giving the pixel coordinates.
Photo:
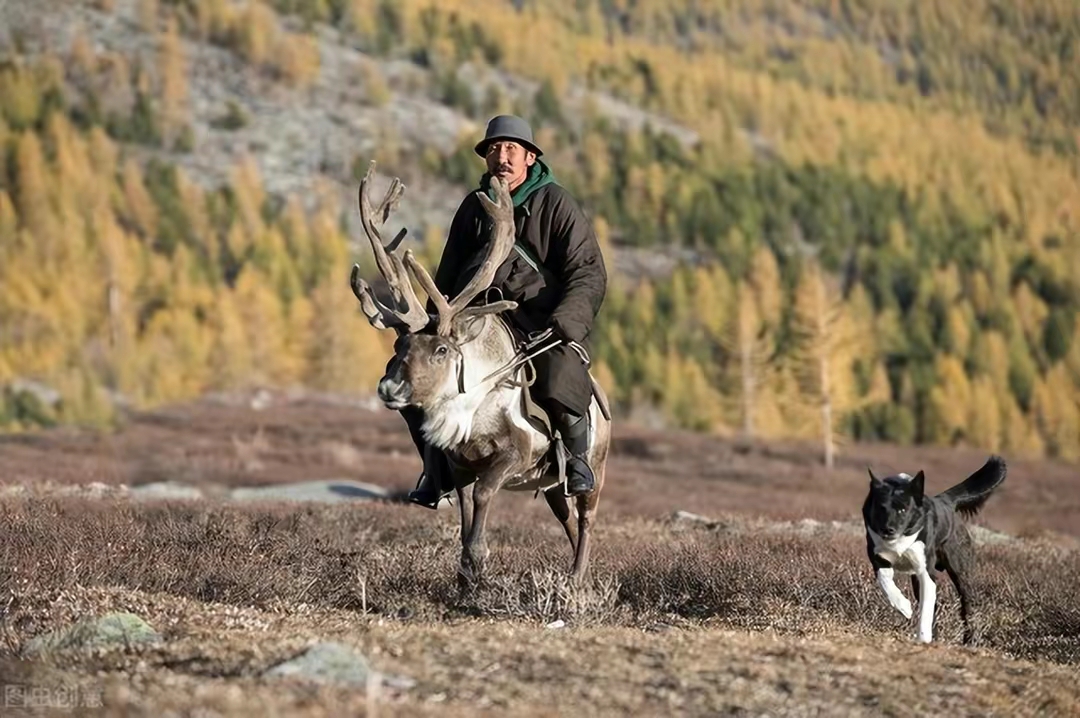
(748, 387)
(113, 302)
(826, 430)
(823, 378)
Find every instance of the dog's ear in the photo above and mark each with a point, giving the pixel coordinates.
(874, 481)
(917, 485)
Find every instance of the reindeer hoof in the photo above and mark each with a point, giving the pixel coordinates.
(467, 580)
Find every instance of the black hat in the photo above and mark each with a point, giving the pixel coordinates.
(508, 127)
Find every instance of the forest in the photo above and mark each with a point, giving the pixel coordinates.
(881, 201)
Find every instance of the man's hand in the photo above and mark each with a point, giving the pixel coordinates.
(558, 333)
(539, 337)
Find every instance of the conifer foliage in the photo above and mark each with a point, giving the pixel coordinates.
(879, 202)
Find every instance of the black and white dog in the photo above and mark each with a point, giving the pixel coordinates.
(908, 532)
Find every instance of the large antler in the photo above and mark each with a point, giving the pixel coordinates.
(501, 212)
(406, 312)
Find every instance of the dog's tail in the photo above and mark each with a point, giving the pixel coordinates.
(969, 495)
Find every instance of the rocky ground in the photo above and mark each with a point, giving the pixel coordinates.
(729, 579)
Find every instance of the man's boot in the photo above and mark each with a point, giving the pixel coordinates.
(435, 482)
(574, 430)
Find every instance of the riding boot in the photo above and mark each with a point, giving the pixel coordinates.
(436, 481)
(574, 429)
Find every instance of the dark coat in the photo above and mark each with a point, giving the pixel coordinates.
(565, 292)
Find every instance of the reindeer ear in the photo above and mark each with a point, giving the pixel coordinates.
(917, 486)
(467, 327)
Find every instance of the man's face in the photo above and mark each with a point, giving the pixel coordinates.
(509, 161)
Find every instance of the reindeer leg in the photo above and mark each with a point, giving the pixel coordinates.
(465, 501)
(489, 480)
(474, 549)
(586, 510)
(559, 506)
(586, 503)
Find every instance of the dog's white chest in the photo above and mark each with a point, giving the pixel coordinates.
(906, 554)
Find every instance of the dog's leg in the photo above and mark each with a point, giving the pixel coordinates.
(959, 562)
(927, 601)
(896, 597)
(963, 587)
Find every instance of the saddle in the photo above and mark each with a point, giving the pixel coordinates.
(534, 412)
(528, 342)
(552, 465)
(538, 415)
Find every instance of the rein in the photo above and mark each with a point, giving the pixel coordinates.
(527, 351)
(520, 358)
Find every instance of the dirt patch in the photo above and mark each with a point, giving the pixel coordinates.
(270, 438)
(217, 654)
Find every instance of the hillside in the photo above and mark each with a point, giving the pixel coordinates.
(879, 193)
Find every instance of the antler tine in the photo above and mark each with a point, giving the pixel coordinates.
(376, 313)
(440, 302)
(407, 310)
(503, 305)
(427, 284)
(412, 310)
(389, 202)
(412, 320)
(501, 211)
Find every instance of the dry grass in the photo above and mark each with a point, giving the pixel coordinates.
(389, 561)
(742, 615)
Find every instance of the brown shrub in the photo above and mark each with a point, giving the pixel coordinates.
(398, 562)
(296, 59)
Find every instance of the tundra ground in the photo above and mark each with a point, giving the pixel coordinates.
(758, 601)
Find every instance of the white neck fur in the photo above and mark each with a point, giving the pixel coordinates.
(449, 423)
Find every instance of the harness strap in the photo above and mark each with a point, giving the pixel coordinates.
(533, 411)
(526, 255)
(561, 455)
(518, 360)
(581, 352)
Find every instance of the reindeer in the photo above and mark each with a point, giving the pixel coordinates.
(469, 379)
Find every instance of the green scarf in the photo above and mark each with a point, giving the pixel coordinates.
(539, 175)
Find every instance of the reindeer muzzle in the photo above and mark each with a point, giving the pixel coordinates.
(394, 393)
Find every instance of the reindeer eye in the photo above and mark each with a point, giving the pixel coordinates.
(441, 350)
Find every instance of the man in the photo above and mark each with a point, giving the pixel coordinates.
(556, 275)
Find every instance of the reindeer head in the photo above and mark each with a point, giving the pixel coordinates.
(427, 363)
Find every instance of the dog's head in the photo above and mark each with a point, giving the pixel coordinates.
(893, 507)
